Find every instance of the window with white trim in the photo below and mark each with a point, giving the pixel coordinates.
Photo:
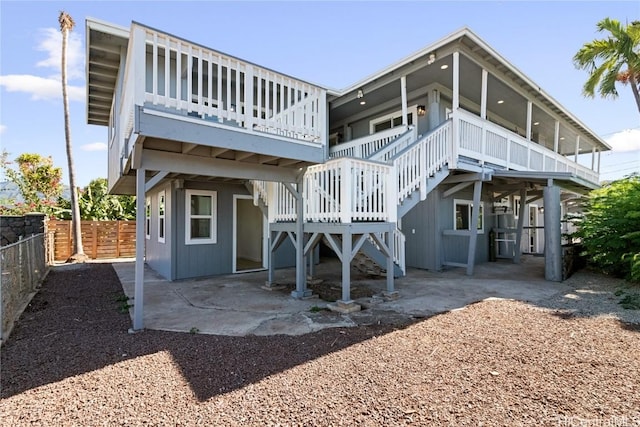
(392, 120)
(462, 215)
(161, 216)
(201, 217)
(147, 218)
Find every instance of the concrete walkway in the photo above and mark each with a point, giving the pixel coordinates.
(237, 305)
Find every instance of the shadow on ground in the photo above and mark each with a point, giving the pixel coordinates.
(74, 325)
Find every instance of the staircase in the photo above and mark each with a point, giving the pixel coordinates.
(420, 163)
(395, 163)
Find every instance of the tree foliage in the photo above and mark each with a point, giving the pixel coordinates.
(38, 181)
(610, 227)
(612, 59)
(97, 204)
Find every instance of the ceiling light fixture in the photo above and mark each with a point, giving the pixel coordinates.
(536, 123)
(501, 101)
(363, 102)
(444, 66)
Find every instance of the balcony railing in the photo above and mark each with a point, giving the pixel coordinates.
(490, 143)
(177, 76)
(364, 147)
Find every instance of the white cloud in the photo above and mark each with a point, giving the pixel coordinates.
(2, 129)
(51, 43)
(40, 87)
(94, 146)
(626, 140)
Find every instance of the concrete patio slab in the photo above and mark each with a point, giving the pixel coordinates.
(237, 305)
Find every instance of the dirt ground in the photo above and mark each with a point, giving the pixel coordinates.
(70, 361)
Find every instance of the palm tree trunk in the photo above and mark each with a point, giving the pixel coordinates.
(78, 250)
(634, 88)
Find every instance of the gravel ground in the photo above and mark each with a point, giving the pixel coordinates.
(567, 361)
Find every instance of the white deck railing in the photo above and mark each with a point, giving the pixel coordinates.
(348, 190)
(392, 148)
(177, 75)
(421, 160)
(490, 143)
(364, 147)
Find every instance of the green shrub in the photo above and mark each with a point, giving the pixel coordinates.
(610, 228)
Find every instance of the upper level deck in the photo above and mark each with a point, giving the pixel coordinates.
(170, 95)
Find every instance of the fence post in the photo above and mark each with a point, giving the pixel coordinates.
(118, 239)
(94, 234)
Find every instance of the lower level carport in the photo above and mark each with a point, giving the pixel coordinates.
(238, 305)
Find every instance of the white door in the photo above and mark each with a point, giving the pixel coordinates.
(249, 239)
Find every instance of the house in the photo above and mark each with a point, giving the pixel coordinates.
(448, 157)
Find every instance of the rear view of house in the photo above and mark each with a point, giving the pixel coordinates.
(447, 158)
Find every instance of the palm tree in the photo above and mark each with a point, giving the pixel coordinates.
(606, 59)
(66, 25)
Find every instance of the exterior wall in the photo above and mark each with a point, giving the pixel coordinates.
(426, 247)
(420, 227)
(190, 261)
(455, 249)
(14, 227)
(158, 255)
(360, 128)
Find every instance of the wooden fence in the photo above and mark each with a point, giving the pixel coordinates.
(100, 239)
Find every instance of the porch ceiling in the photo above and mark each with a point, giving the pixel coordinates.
(105, 45)
(505, 83)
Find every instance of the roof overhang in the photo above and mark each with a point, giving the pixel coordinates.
(106, 45)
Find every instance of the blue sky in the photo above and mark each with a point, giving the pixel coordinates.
(333, 44)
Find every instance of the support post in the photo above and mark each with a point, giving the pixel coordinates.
(556, 137)
(552, 237)
(455, 102)
(346, 267)
(138, 298)
(403, 94)
(529, 113)
(483, 95)
(271, 275)
(593, 158)
(390, 265)
(599, 153)
(523, 204)
(301, 270)
(473, 232)
(575, 155)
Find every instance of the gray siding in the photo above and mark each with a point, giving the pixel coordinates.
(420, 227)
(456, 248)
(213, 259)
(157, 254)
(426, 247)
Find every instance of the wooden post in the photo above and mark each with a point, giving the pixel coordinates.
(473, 226)
(94, 234)
(483, 95)
(118, 239)
(138, 301)
(552, 235)
(70, 247)
(523, 204)
(403, 96)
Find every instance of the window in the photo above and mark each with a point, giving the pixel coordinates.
(147, 218)
(201, 224)
(161, 222)
(391, 120)
(462, 215)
